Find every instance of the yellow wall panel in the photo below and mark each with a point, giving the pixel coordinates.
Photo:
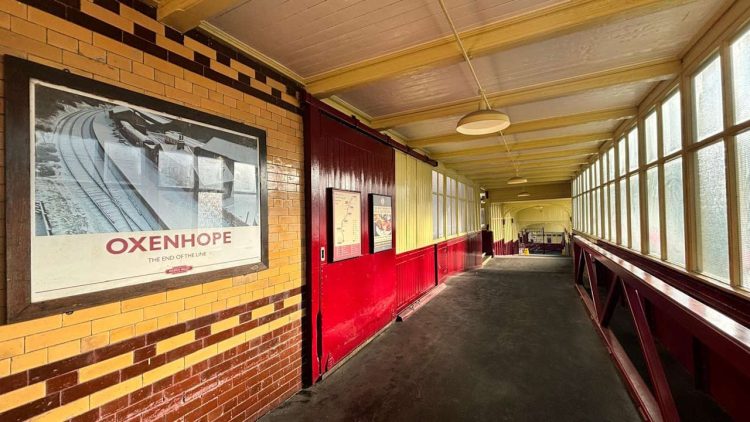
(413, 203)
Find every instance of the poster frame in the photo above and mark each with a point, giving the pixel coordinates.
(372, 198)
(333, 257)
(19, 74)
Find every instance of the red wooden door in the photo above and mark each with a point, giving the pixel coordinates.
(357, 296)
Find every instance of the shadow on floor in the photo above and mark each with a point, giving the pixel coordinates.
(509, 342)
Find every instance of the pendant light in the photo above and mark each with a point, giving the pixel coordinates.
(524, 194)
(517, 180)
(485, 120)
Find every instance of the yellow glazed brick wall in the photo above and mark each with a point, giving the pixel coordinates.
(37, 36)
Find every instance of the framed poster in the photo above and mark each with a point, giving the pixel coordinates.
(381, 223)
(345, 225)
(114, 194)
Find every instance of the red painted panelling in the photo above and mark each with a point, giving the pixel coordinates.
(353, 299)
(506, 248)
(459, 254)
(415, 274)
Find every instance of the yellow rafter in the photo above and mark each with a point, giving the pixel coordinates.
(523, 146)
(642, 72)
(539, 25)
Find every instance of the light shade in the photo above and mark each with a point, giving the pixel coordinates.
(483, 122)
(517, 180)
(523, 194)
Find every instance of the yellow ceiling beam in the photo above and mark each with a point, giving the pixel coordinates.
(657, 71)
(531, 181)
(534, 125)
(538, 191)
(543, 24)
(581, 159)
(184, 15)
(507, 161)
(571, 165)
(523, 145)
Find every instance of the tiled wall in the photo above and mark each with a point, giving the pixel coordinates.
(229, 348)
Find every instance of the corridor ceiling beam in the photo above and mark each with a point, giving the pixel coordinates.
(184, 15)
(572, 165)
(534, 125)
(546, 157)
(653, 71)
(523, 146)
(540, 25)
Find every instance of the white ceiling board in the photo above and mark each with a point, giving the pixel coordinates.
(595, 127)
(313, 36)
(615, 44)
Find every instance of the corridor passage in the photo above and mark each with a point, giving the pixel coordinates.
(509, 342)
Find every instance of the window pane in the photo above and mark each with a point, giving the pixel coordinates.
(671, 121)
(623, 212)
(654, 228)
(595, 213)
(611, 159)
(650, 126)
(605, 212)
(435, 221)
(635, 214)
(743, 179)
(621, 157)
(709, 117)
(712, 211)
(612, 213)
(674, 207)
(741, 77)
(633, 149)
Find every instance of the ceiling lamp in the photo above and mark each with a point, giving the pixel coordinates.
(485, 120)
(517, 180)
(523, 194)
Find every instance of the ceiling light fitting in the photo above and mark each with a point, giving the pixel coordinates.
(484, 121)
(523, 194)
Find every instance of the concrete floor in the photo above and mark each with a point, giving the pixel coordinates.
(509, 342)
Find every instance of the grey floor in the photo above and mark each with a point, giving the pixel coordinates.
(509, 342)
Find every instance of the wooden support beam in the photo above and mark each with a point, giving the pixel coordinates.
(577, 153)
(543, 24)
(658, 71)
(534, 125)
(522, 172)
(494, 164)
(522, 146)
(573, 165)
(184, 15)
(502, 184)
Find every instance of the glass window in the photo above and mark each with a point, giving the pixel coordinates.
(652, 198)
(709, 117)
(621, 152)
(595, 213)
(635, 214)
(604, 168)
(633, 149)
(743, 180)
(605, 212)
(612, 213)
(674, 212)
(438, 218)
(741, 77)
(711, 204)
(671, 122)
(624, 212)
(611, 159)
(651, 135)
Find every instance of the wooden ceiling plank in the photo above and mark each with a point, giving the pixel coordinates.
(184, 15)
(523, 145)
(534, 125)
(652, 71)
(539, 25)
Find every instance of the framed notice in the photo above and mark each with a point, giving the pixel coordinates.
(113, 194)
(381, 223)
(345, 225)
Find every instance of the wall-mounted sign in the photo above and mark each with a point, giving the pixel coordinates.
(345, 224)
(381, 223)
(113, 191)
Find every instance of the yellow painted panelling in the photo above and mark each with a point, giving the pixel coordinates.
(26, 328)
(413, 203)
(114, 392)
(174, 342)
(57, 336)
(11, 348)
(64, 412)
(163, 371)
(104, 367)
(22, 396)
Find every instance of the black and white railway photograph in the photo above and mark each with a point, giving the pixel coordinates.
(102, 167)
